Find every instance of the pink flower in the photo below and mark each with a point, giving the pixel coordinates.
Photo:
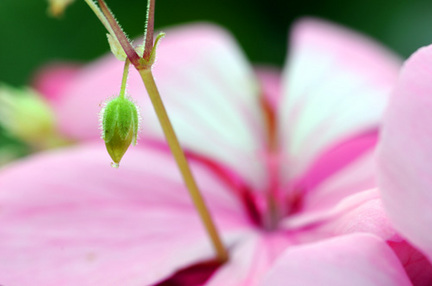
(405, 154)
(287, 170)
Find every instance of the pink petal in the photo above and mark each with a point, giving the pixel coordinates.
(405, 154)
(209, 90)
(69, 219)
(360, 212)
(250, 260)
(338, 87)
(339, 172)
(356, 259)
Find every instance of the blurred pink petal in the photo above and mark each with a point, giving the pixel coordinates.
(361, 212)
(53, 79)
(250, 259)
(345, 260)
(405, 153)
(95, 225)
(201, 74)
(339, 172)
(338, 84)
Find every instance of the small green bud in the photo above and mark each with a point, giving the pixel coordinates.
(120, 124)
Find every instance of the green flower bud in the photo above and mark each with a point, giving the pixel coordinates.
(120, 124)
(27, 116)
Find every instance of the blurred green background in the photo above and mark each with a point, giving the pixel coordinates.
(29, 38)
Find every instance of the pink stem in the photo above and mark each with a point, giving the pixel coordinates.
(149, 30)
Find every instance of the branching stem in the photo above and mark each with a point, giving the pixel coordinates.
(121, 37)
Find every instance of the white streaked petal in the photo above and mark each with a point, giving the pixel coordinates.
(338, 87)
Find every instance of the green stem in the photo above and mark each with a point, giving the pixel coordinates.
(182, 163)
(100, 16)
(124, 78)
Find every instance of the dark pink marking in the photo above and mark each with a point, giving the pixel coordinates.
(233, 181)
(337, 158)
(194, 275)
(416, 265)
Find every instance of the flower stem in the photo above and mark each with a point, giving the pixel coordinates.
(182, 163)
(100, 16)
(124, 78)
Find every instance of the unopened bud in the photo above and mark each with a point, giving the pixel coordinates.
(57, 7)
(120, 124)
(28, 117)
